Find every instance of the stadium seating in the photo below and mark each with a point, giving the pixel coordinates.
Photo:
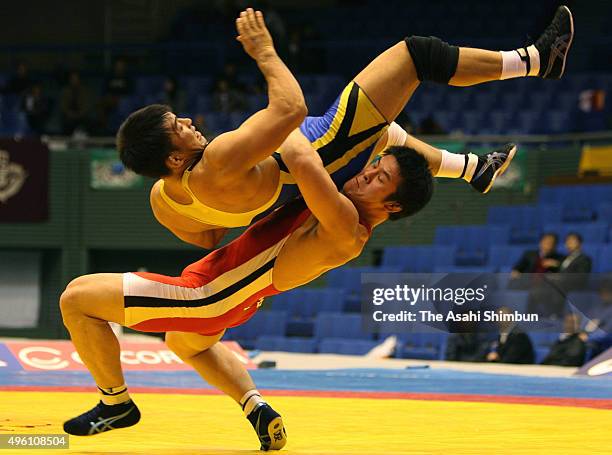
(280, 343)
(425, 346)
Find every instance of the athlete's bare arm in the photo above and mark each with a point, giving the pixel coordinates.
(236, 152)
(336, 214)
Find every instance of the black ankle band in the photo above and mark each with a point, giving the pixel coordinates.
(465, 165)
(527, 61)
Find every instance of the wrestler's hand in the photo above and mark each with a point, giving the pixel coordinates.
(253, 34)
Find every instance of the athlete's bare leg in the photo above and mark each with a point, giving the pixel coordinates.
(477, 66)
(213, 361)
(391, 78)
(88, 304)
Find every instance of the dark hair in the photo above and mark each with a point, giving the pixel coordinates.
(550, 234)
(416, 187)
(574, 234)
(144, 141)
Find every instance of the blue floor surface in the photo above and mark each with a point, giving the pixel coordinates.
(355, 380)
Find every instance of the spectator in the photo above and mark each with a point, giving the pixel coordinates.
(570, 348)
(74, 105)
(575, 267)
(466, 347)
(20, 82)
(576, 261)
(36, 106)
(117, 85)
(172, 95)
(545, 259)
(512, 345)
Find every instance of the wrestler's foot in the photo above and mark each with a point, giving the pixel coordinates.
(269, 427)
(554, 44)
(103, 418)
(491, 166)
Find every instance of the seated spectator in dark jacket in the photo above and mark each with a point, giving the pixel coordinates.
(74, 105)
(576, 261)
(570, 348)
(545, 259)
(19, 82)
(466, 347)
(575, 267)
(172, 95)
(467, 343)
(118, 85)
(36, 106)
(512, 345)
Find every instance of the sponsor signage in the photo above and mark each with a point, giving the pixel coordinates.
(109, 173)
(24, 180)
(8, 362)
(62, 356)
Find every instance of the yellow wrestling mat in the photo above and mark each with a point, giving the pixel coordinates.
(214, 425)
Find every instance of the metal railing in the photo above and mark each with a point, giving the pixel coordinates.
(69, 142)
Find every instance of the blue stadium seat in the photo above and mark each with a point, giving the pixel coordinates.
(605, 263)
(604, 212)
(593, 250)
(196, 85)
(149, 85)
(463, 269)
(557, 122)
(576, 195)
(426, 346)
(528, 121)
(471, 122)
(346, 347)
(540, 353)
(499, 121)
(262, 323)
(587, 302)
(590, 232)
(339, 325)
(279, 343)
(300, 328)
(515, 300)
(503, 257)
(578, 214)
(472, 241)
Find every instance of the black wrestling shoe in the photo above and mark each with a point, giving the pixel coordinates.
(554, 44)
(269, 427)
(491, 166)
(103, 418)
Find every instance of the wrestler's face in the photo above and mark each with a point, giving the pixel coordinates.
(375, 183)
(185, 137)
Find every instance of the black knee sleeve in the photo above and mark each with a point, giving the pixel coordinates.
(434, 59)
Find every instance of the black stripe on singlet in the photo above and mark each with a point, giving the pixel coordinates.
(342, 142)
(156, 302)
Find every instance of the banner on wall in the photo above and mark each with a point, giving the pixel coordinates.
(24, 180)
(109, 173)
(62, 356)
